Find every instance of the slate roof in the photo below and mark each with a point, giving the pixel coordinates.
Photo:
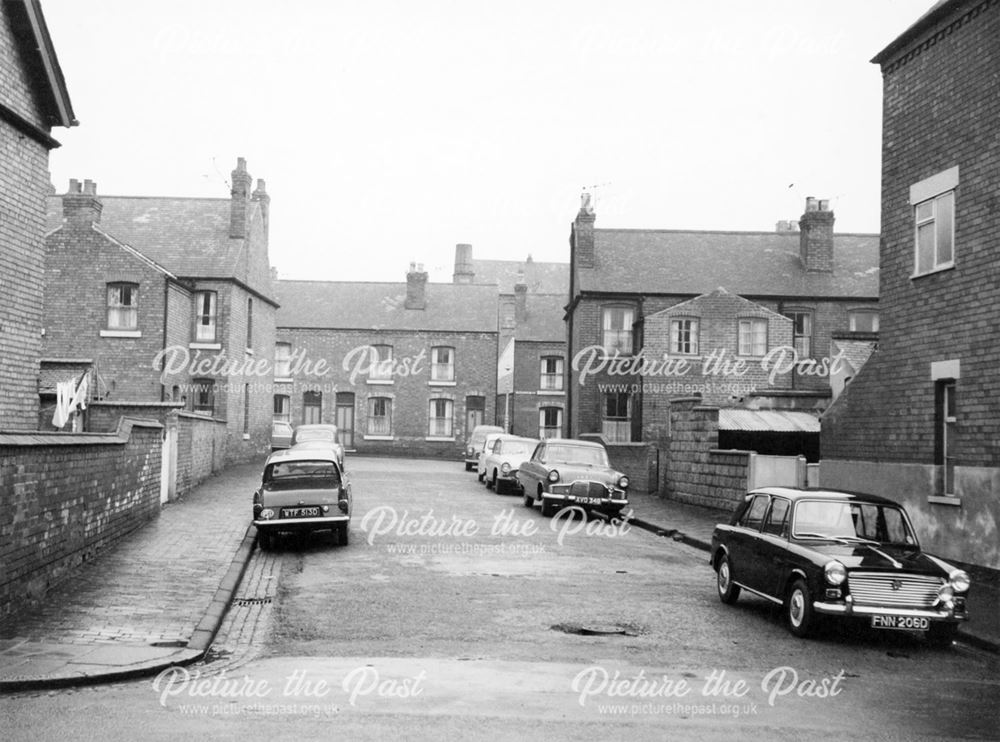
(540, 278)
(348, 305)
(856, 352)
(746, 263)
(187, 236)
(543, 321)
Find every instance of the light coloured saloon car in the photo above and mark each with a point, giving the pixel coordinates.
(502, 460)
(569, 472)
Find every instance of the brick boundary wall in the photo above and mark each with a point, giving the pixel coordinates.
(201, 449)
(64, 497)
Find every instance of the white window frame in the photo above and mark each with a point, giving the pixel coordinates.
(282, 408)
(684, 336)
(206, 331)
(122, 316)
(442, 371)
(380, 364)
(551, 380)
(933, 201)
(852, 319)
(751, 342)
(617, 338)
(802, 342)
(616, 429)
(282, 360)
(379, 426)
(441, 427)
(549, 431)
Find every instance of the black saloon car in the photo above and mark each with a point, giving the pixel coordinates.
(846, 555)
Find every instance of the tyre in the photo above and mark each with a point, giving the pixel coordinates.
(942, 634)
(265, 540)
(729, 591)
(529, 501)
(549, 508)
(343, 534)
(481, 476)
(491, 482)
(799, 610)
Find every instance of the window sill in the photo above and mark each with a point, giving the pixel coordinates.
(951, 500)
(439, 439)
(121, 333)
(550, 393)
(379, 437)
(248, 351)
(442, 383)
(380, 382)
(939, 269)
(205, 346)
(283, 380)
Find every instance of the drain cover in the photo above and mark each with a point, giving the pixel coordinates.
(252, 601)
(595, 629)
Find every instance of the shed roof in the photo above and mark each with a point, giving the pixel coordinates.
(774, 421)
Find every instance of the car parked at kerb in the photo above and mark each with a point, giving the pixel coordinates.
(318, 434)
(844, 555)
(302, 490)
(501, 460)
(567, 471)
(474, 445)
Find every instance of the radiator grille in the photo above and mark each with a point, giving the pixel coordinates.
(908, 591)
(588, 489)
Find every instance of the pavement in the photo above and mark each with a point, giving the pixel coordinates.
(158, 597)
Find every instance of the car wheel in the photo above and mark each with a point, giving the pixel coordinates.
(481, 476)
(491, 482)
(529, 501)
(343, 534)
(729, 591)
(265, 539)
(799, 610)
(942, 634)
(499, 485)
(549, 508)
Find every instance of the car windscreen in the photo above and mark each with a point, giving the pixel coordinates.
(587, 455)
(517, 448)
(852, 521)
(306, 473)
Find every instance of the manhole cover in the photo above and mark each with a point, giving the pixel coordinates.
(596, 629)
(251, 601)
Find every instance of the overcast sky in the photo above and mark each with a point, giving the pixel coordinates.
(389, 131)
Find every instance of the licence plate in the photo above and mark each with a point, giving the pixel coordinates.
(906, 623)
(300, 512)
(587, 500)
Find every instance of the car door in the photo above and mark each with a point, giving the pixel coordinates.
(770, 549)
(743, 543)
(531, 474)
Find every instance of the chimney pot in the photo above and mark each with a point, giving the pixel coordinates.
(816, 236)
(416, 287)
(81, 206)
(464, 272)
(240, 197)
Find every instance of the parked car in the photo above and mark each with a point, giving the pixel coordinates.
(491, 438)
(839, 554)
(302, 490)
(502, 459)
(566, 471)
(281, 435)
(319, 434)
(474, 445)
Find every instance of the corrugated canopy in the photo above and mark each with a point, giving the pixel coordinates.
(774, 421)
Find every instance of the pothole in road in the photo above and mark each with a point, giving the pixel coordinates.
(598, 629)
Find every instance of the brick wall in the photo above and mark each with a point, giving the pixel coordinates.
(201, 449)
(24, 182)
(529, 398)
(410, 393)
(64, 497)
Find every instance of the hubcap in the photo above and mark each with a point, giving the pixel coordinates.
(796, 608)
(724, 577)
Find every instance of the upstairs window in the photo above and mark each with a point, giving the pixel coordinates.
(552, 374)
(442, 363)
(282, 360)
(380, 363)
(616, 327)
(933, 201)
(123, 306)
(205, 309)
(863, 320)
(249, 323)
(752, 337)
(684, 337)
(801, 332)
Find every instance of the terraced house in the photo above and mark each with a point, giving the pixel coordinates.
(404, 368)
(921, 422)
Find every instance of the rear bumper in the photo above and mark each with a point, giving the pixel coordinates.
(300, 524)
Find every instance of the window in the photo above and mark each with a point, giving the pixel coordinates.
(777, 518)
(440, 418)
(203, 396)
(312, 408)
(282, 408)
(123, 306)
(249, 323)
(684, 336)
(944, 444)
(550, 422)
(616, 426)
(933, 201)
(863, 320)
(282, 360)
(617, 329)
(379, 416)
(205, 312)
(552, 374)
(752, 337)
(246, 409)
(754, 515)
(442, 363)
(380, 363)
(801, 333)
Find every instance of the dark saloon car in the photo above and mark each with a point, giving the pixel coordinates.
(302, 490)
(845, 555)
(567, 471)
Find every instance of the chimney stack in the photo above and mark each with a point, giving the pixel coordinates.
(520, 299)
(416, 287)
(816, 236)
(261, 197)
(582, 236)
(464, 272)
(240, 200)
(81, 206)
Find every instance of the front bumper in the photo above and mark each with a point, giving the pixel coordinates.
(616, 501)
(848, 608)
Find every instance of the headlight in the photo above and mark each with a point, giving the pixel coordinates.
(835, 572)
(959, 581)
(505, 468)
(945, 595)
(267, 513)
(553, 476)
(469, 451)
(623, 482)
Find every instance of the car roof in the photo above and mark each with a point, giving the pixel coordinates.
(302, 454)
(574, 442)
(817, 493)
